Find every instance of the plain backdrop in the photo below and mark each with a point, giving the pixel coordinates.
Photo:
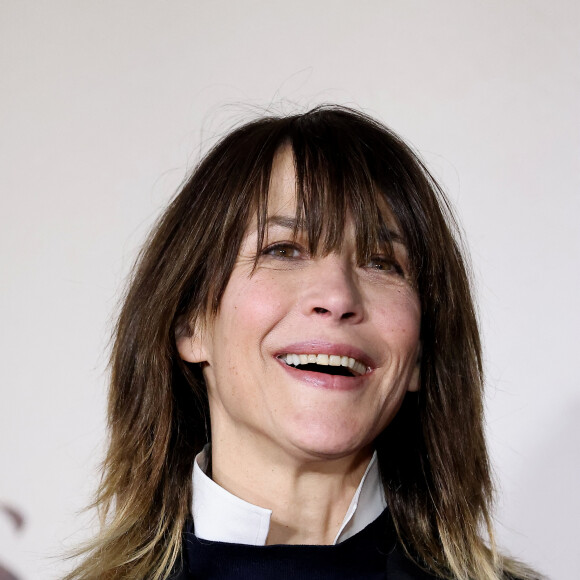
(106, 105)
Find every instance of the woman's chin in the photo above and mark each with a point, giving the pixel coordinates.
(328, 444)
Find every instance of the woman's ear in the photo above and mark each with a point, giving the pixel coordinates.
(415, 382)
(190, 343)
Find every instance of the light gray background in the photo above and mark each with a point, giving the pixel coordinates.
(105, 106)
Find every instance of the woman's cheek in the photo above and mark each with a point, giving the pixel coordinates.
(261, 303)
(399, 316)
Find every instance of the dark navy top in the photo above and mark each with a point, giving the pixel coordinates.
(374, 553)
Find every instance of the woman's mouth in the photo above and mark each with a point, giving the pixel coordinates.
(329, 364)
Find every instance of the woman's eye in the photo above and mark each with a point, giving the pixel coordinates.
(283, 251)
(385, 264)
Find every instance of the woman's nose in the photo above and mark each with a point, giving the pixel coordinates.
(332, 291)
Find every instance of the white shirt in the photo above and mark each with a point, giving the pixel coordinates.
(221, 516)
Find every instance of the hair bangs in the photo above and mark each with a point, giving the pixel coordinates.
(334, 182)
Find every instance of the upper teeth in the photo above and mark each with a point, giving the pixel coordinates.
(332, 360)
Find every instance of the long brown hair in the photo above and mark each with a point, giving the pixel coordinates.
(432, 456)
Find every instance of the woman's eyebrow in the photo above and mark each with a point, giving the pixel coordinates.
(286, 221)
(386, 234)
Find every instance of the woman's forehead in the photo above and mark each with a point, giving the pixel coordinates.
(282, 196)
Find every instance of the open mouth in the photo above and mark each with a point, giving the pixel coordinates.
(328, 364)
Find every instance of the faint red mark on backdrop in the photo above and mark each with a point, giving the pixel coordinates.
(18, 522)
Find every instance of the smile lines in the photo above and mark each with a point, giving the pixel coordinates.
(326, 360)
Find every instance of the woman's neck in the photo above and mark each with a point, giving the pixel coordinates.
(308, 495)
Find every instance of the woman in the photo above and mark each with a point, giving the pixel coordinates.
(296, 375)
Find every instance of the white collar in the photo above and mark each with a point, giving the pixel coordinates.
(221, 516)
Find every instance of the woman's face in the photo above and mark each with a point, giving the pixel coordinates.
(294, 309)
